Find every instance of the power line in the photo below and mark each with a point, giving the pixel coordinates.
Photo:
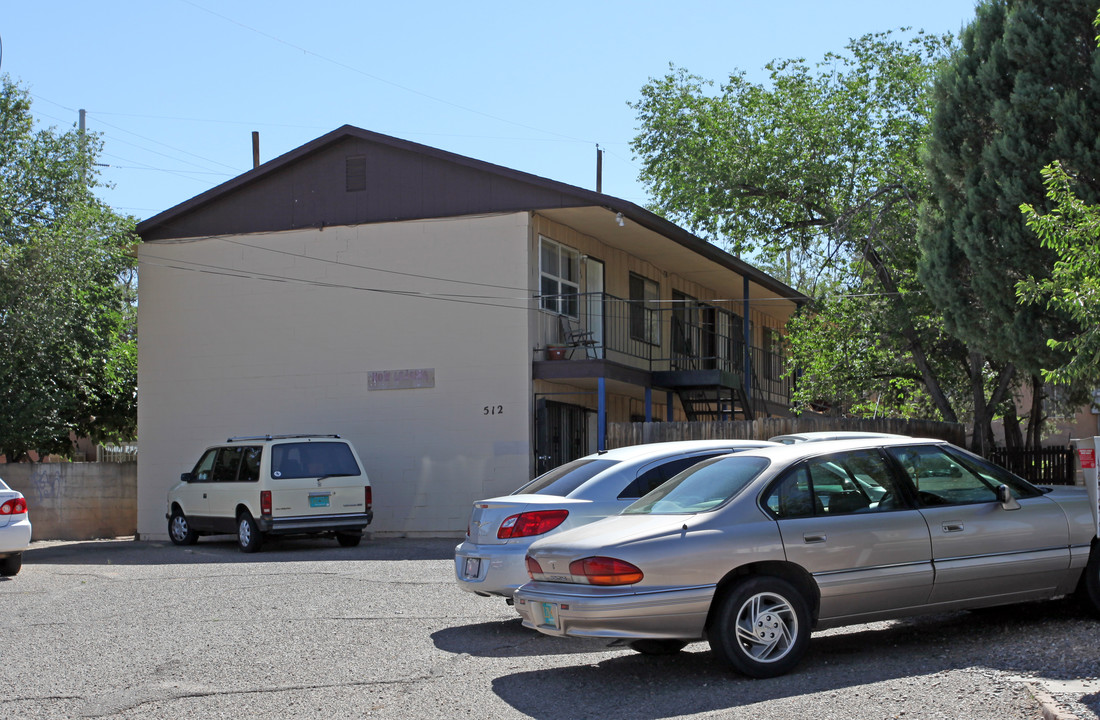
(368, 267)
(181, 150)
(377, 78)
(209, 269)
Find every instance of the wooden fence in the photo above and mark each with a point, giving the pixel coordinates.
(622, 434)
(1045, 466)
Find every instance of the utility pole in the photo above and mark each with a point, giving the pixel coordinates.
(599, 169)
(81, 123)
(255, 149)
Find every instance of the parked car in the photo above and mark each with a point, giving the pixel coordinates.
(823, 435)
(273, 485)
(753, 551)
(490, 561)
(15, 530)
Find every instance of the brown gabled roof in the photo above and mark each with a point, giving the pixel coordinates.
(401, 180)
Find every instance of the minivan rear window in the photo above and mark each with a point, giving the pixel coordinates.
(312, 459)
(566, 478)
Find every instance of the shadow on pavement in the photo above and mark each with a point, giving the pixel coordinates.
(1015, 639)
(508, 638)
(223, 549)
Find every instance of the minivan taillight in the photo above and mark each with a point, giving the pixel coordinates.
(265, 502)
(531, 523)
(15, 506)
(604, 571)
(368, 497)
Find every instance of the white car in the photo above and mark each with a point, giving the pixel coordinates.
(491, 560)
(15, 530)
(272, 485)
(823, 435)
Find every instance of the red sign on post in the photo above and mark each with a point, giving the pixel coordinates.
(1088, 458)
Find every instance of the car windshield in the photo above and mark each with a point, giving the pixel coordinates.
(566, 478)
(312, 459)
(701, 487)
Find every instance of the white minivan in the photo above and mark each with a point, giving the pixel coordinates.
(272, 485)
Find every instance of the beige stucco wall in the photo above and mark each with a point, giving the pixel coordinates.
(281, 337)
(76, 501)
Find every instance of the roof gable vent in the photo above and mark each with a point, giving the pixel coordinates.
(355, 174)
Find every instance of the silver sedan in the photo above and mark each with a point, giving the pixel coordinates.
(491, 560)
(755, 550)
(15, 530)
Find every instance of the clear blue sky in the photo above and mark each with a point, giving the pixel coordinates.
(176, 87)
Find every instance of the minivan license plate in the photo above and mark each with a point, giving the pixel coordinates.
(318, 500)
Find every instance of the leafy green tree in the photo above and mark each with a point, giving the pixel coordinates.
(68, 363)
(1072, 230)
(817, 174)
(1022, 91)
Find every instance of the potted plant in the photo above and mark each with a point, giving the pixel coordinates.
(556, 351)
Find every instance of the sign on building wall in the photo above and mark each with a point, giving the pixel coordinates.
(400, 379)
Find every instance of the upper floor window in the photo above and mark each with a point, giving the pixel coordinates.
(560, 277)
(645, 320)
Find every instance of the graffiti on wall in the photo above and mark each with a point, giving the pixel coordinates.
(46, 481)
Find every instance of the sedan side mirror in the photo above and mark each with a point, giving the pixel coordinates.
(1004, 496)
(187, 477)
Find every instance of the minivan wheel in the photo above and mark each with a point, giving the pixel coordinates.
(179, 529)
(348, 539)
(249, 538)
(762, 627)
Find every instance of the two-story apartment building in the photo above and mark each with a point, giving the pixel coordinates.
(464, 324)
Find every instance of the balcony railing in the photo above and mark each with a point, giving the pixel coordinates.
(696, 337)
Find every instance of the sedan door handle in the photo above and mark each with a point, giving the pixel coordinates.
(952, 527)
(812, 538)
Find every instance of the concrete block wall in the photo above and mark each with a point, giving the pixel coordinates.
(77, 501)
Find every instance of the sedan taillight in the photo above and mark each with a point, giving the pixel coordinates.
(531, 523)
(604, 571)
(589, 571)
(15, 506)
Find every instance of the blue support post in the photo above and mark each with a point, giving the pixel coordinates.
(601, 415)
(747, 327)
(649, 405)
(670, 408)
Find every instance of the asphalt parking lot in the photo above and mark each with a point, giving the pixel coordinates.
(306, 629)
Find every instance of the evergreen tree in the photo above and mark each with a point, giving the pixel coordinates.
(1023, 90)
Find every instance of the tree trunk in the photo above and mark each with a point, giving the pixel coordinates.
(981, 440)
(931, 382)
(1035, 416)
(1014, 438)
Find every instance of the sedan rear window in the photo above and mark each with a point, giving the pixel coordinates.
(701, 487)
(566, 478)
(312, 459)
